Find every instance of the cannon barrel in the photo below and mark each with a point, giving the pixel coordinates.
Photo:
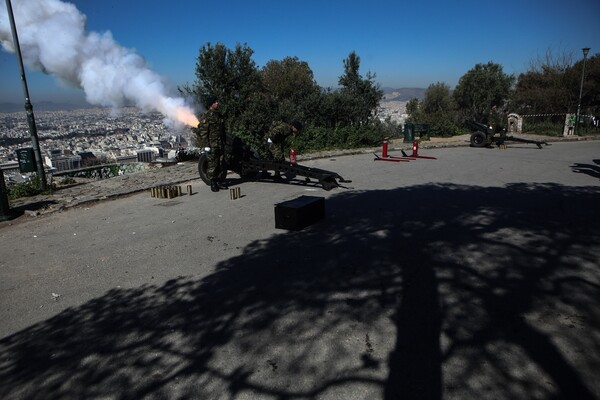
(477, 126)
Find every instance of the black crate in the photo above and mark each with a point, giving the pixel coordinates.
(299, 213)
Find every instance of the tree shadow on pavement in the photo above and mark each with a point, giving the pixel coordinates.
(428, 292)
(588, 169)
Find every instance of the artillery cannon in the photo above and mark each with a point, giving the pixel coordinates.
(484, 136)
(246, 162)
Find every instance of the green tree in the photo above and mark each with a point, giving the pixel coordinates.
(546, 87)
(438, 110)
(413, 109)
(233, 77)
(551, 86)
(291, 87)
(590, 95)
(251, 99)
(255, 119)
(480, 88)
(331, 112)
(360, 96)
(437, 99)
(351, 80)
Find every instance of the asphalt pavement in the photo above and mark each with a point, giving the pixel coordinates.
(89, 191)
(473, 274)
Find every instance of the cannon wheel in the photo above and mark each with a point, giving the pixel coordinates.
(478, 139)
(203, 168)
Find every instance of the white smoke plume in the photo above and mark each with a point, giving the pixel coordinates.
(53, 38)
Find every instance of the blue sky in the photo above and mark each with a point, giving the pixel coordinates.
(405, 43)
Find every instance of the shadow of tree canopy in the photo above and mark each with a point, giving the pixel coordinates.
(588, 169)
(428, 292)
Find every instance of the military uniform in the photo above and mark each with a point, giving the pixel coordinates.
(211, 132)
(495, 120)
(278, 133)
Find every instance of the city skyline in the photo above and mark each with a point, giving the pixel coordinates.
(404, 45)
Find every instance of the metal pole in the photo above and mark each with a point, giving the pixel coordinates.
(28, 107)
(585, 53)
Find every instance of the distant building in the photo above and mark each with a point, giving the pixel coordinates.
(87, 158)
(10, 171)
(60, 161)
(146, 155)
(64, 163)
(12, 166)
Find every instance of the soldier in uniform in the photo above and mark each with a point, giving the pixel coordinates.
(496, 119)
(277, 140)
(211, 130)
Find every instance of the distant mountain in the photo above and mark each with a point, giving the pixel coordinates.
(403, 94)
(11, 107)
(389, 94)
(43, 106)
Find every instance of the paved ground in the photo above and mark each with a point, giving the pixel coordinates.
(183, 174)
(472, 275)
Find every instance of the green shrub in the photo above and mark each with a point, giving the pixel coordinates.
(67, 180)
(27, 189)
(319, 139)
(548, 128)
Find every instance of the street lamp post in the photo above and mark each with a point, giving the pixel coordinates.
(28, 106)
(585, 50)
